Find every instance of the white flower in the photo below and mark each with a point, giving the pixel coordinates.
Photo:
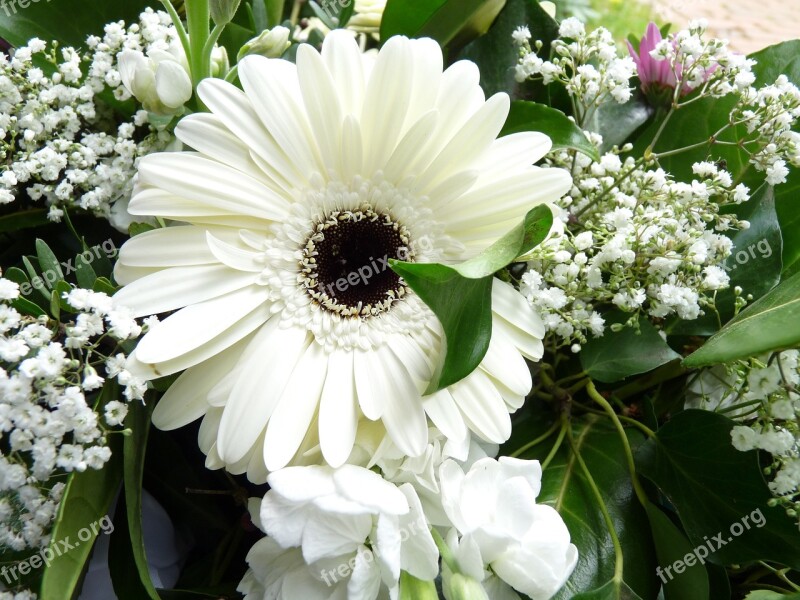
(9, 290)
(302, 187)
(349, 516)
(571, 28)
(521, 35)
(744, 438)
(115, 413)
(367, 16)
(91, 380)
(493, 509)
(160, 80)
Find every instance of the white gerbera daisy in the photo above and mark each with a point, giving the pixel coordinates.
(291, 326)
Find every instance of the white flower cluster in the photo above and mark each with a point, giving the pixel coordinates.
(586, 63)
(22, 595)
(635, 239)
(762, 393)
(47, 425)
(350, 532)
(769, 114)
(58, 137)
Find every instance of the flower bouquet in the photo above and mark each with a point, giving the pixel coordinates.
(359, 299)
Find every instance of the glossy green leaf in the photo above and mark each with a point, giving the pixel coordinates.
(771, 323)
(565, 134)
(618, 355)
(84, 273)
(85, 504)
(612, 590)
(69, 21)
(48, 263)
(134, 448)
(618, 122)
(27, 307)
(788, 210)
(565, 488)
(274, 12)
(496, 55)
(770, 595)
(672, 545)
(461, 295)
(23, 219)
(524, 237)
(135, 229)
(464, 308)
(718, 492)
(441, 20)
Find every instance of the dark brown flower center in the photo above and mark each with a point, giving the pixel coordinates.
(346, 262)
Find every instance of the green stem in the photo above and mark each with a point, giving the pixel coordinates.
(653, 143)
(637, 486)
(565, 426)
(638, 424)
(197, 18)
(444, 550)
(618, 556)
(176, 20)
(209, 47)
(537, 441)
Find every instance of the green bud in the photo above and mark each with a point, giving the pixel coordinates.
(412, 588)
(461, 587)
(271, 43)
(223, 11)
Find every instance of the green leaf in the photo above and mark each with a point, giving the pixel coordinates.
(531, 116)
(83, 509)
(441, 20)
(68, 21)
(495, 53)
(771, 323)
(565, 488)
(522, 239)
(464, 308)
(618, 122)
(618, 355)
(718, 492)
(48, 263)
(671, 546)
(610, 591)
(770, 595)
(24, 219)
(135, 229)
(461, 295)
(84, 273)
(27, 307)
(134, 448)
(274, 12)
(412, 588)
(55, 305)
(102, 284)
(788, 210)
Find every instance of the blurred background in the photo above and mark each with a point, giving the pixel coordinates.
(749, 25)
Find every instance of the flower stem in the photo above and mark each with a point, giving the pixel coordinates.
(197, 18)
(536, 441)
(444, 550)
(597, 397)
(565, 426)
(176, 20)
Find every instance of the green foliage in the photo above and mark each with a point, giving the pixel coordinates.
(68, 21)
(495, 53)
(442, 20)
(718, 490)
(566, 488)
(771, 323)
(618, 355)
(531, 116)
(461, 295)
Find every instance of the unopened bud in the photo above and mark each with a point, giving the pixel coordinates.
(223, 11)
(461, 587)
(271, 43)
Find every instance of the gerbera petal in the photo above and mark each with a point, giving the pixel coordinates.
(321, 102)
(179, 334)
(343, 58)
(338, 410)
(174, 288)
(233, 256)
(234, 109)
(483, 407)
(505, 364)
(396, 168)
(442, 410)
(386, 102)
(512, 306)
(171, 247)
(292, 416)
(269, 361)
(209, 183)
(273, 88)
(185, 400)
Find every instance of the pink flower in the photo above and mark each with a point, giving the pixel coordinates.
(655, 75)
